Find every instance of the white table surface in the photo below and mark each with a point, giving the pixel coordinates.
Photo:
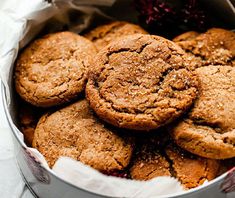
(11, 183)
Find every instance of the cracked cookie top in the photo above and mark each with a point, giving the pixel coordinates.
(53, 70)
(104, 34)
(209, 128)
(75, 132)
(155, 158)
(140, 82)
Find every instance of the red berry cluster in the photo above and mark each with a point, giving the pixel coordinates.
(163, 15)
(121, 174)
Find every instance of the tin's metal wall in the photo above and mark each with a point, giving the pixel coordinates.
(56, 187)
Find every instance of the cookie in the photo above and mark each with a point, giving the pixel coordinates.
(155, 160)
(139, 82)
(103, 35)
(214, 47)
(209, 128)
(187, 36)
(28, 118)
(75, 132)
(53, 70)
(148, 159)
(191, 170)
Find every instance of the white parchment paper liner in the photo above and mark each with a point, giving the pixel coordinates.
(20, 22)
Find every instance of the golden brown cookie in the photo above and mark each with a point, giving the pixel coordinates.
(148, 159)
(103, 35)
(191, 170)
(214, 47)
(187, 36)
(209, 129)
(28, 118)
(53, 70)
(73, 131)
(139, 82)
(155, 160)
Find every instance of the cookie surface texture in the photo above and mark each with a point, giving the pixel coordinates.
(53, 70)
(209, 129)
(214, 47)
(104, 34)
(140, 82)
(74, 132)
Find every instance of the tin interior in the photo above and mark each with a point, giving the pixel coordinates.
(10, 108)
(12, 120)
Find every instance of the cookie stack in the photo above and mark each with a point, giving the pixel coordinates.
(152, 107)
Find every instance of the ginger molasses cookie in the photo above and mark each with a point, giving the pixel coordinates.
(53, 70)
(73, 131)
(209, 129)
(216, 46)
(186, 36)
(191, 170)
(103, 35)
(155, 160)
(140, 82)
(148, 160)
